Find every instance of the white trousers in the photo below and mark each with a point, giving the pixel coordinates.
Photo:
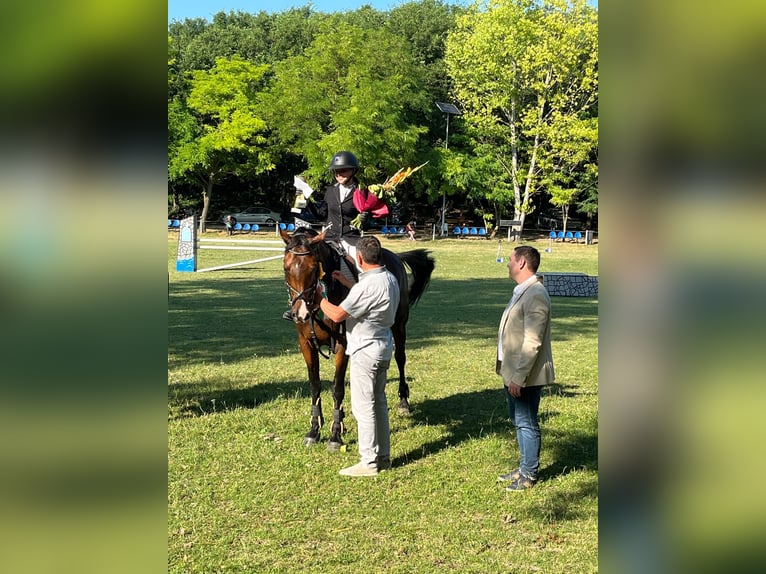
(351, 251)
(370, 407)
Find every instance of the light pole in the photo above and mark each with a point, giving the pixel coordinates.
(447, 109)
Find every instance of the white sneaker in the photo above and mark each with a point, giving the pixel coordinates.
(360, 469)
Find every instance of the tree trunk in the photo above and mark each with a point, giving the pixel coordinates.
(206, 202)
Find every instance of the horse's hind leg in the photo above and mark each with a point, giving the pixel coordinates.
(400, 336)
(338, 394)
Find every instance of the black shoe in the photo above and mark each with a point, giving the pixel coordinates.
(511, 476)
(521, 483)
(287, 315)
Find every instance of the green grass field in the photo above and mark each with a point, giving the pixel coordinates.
(245, 495)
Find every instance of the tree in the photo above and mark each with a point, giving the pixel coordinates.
(355, 89)
(522, 70)
(259, 38)
(571, 166)
(219, 130)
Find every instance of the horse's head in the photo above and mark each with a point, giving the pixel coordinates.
(303, 271)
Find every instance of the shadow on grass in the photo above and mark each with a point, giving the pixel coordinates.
(562, 390)
(236, 315)
(483, 413)
(198, 399)
(230, 318)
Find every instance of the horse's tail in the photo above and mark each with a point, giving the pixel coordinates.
(422, 265)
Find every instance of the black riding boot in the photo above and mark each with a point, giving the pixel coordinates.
(348, 269)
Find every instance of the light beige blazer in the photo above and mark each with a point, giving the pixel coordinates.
(526, 340)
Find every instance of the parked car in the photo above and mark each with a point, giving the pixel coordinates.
(257, 214)
(553, 219)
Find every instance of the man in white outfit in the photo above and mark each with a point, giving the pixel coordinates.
(369, 310)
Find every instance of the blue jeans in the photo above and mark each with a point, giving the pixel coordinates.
(523, 414)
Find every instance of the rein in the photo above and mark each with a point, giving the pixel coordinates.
(313, 309)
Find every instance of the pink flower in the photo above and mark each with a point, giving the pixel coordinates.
(365, 200)
(372, 198)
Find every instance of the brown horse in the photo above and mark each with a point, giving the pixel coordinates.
(310, 259)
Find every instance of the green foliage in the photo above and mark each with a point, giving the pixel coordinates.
(572, 164)
(226, 134)
(230, 135)
(355, 89)
(425, 25)
(259, 38)
(523, 71)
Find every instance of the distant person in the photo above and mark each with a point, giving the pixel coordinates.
(230, 222)
(411, 230)
(525, 361)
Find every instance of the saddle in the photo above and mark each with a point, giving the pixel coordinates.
(343, 263)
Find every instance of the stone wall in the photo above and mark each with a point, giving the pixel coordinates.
(570, 284)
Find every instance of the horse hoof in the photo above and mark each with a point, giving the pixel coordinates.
(404, 407)
(310, 441)
(334, 446)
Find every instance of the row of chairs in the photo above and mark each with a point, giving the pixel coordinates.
(246, 227)
(569, 236)
(393, 230)
(254, 227)
(474, 231)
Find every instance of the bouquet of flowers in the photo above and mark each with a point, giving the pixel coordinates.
(377, 195)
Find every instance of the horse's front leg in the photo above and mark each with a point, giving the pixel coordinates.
(311, 357)
(400, 337)
(338, 394)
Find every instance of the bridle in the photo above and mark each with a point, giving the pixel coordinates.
(308, 296)
(311, 289)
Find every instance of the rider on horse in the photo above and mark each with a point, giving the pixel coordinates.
(340, 211)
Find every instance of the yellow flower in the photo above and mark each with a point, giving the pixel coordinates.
(385, 190)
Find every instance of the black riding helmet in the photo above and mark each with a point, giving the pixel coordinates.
(344, 160)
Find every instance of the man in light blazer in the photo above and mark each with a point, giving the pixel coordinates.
(525, 361)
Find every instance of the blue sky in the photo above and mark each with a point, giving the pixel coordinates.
(181, 9)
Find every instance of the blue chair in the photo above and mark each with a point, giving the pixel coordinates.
(176, 223)
(254, 227)
(238, 227)
(578, 236)
(560, 236)
(465, 231)
(456, 231)
(552, 235)
(170, 223)
(474, 231)
(569, 235)
(246, 227)
(283, 226)
(290, 227)
(482, 231)
(384, 230)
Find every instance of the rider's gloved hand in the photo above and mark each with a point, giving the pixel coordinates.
(364, 219)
